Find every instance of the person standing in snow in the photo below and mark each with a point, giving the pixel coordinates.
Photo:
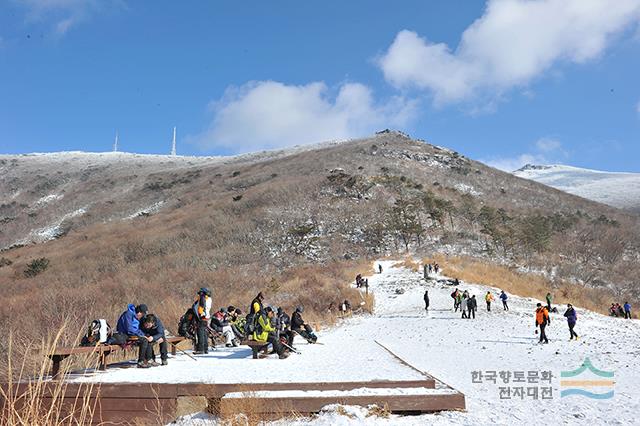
(456, 299)
(379, 267)
(549, 299)
(464, 305)
(202, 309)
(571, 316)
(627, 310)
(542, 320)
(504, 297)
(426, 300)
(488, 298)
(472, 305)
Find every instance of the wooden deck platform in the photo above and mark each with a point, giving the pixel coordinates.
(127, 403)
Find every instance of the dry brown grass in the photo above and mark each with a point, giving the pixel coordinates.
(481, 271)
(408, 263)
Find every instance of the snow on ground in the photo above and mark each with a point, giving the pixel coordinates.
(614, 188)
(444, 345)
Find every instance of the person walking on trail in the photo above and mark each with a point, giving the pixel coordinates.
(542, 320)
(202, 309)
(129, 325)
(504, 297)
(627, 310)
(472, 305)
(152, 326)
(464, 305)
(380, 267)
(549, 299)
(572, 317)
(456, 299)
(488, 298)
(426, 300)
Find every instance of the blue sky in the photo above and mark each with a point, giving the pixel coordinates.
(503, 81)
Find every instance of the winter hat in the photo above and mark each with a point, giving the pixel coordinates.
(268, 309)
(300, 309)
(141, 308)
(231, 308)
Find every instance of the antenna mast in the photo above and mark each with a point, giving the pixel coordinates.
(173, 145)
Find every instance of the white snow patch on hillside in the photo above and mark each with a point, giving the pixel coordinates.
(48, 199)
(146, 210)
(50, 232)
(613, 188)
(467, 189)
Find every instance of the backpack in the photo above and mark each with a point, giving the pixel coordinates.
(250, 324)
(98, 332)
(453, 295)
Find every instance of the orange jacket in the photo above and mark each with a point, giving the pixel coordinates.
(542, 315)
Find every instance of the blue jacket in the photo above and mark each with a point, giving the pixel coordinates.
(156, 332)
(571, 316)
(503, 296)
(627, 307)
(128, 322)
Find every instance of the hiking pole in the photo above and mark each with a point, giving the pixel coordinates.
(291, 348)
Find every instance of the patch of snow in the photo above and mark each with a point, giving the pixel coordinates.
(467, 189)
(616, 189)
(48, 199)
(153, 208)
(340, 393)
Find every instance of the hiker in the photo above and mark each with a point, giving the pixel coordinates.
(188, 325)
(613, 311)
(220, 323)
(265, 332)
(549, 299)
(620, 310)
(152, 326)
(572, 317)
(379, 267)
(283, 326)
(464, 305)
(299, 326)
(238, 322)
(456, 302)
(488, 298)
(252, 317)
(426, 300)
(504, 297)
(472, 305)
(436, 268)
(129, 325)
(627, 310)
(430, 269)
(358, 280)
(542, 320)
(202, 309)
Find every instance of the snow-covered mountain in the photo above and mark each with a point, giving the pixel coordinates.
(616, 189)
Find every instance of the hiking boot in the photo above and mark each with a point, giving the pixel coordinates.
(283, 355)
(153, 364)
(235, 343)
(228, 345)
(164, 362)
(198, 352)
(143, 364)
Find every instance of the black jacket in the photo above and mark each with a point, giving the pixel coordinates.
(472, 303)
(156, 331)
(296, 321)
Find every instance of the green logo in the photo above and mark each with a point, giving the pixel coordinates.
(571, 384)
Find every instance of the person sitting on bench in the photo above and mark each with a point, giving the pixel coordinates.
(129, 325)
(220, 323)
(153, 327)
(265, 332)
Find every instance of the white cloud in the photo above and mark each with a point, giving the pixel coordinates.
(548, 144)
(544, 151)
(512, 43)
(64, 14)
(270, 114)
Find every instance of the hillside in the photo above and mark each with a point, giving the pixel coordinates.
(616, 189)
(90, 233)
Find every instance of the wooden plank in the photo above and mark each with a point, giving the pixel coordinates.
(106, 390)
(309, 405)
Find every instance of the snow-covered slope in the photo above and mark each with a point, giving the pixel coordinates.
(446, 346)
(613, 188)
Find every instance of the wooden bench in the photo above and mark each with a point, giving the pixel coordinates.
(103, 351)
(256, 347)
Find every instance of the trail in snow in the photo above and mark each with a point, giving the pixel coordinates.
(444, 345)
